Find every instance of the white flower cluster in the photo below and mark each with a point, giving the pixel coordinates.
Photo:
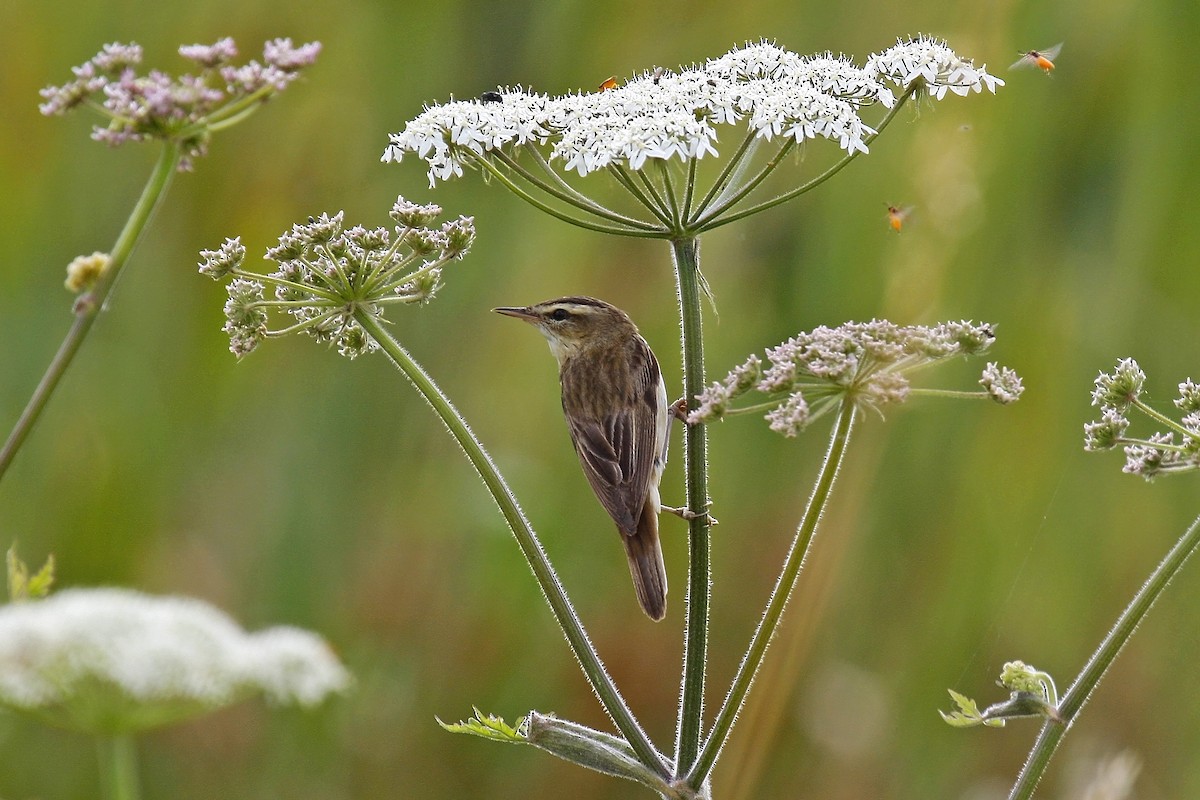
(1176, 449)
(934, 62)
(162, 106)
(115, 659)
(865, 360)
(663, 115)
(327, 273)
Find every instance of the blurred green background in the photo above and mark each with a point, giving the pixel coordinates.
(301, 488)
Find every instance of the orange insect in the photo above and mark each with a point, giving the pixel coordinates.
(896, 216)
(609, 83)
(1042, 59)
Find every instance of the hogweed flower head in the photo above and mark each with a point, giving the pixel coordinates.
(1001, 383)
(328, 273)
(1175, 449)
(118, 661)
(662, 122)
(183, 109)
(932, 62)
(866, 362)
(1121, 387)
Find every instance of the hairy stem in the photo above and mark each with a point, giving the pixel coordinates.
(1073, 701)
(89, 305)
(564, 613)
(695, 443)
(805, 532)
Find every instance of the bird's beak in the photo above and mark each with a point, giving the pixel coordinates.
(519, 313)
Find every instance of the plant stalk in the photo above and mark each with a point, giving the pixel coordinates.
(1075, 698)
(89, 305)
(118, 767)
(686, 252)
(805, 533)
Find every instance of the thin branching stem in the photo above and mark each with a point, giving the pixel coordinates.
(512, 186)
(730, 169)
(564, 613)
(1075, 698)
(306, 324)
(657, 200)
(1163, 419)
(690, 188)
(664, 170)
(233, 112)
(724, 203)
(569, 195)
(715, 220)
(579, 197)
(89, 306)
(623, 178)
(805, 533)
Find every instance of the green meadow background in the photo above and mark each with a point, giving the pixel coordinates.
(301, 488)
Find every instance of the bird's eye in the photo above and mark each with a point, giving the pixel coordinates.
(559, 314)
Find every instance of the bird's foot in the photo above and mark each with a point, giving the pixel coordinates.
(688, 514)
(679, 410)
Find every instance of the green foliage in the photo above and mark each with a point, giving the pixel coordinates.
(22, 585)
(488, 726)
(968, 714)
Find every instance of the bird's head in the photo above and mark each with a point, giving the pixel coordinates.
(572, 324)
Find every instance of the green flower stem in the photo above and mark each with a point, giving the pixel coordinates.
(664, 170)
(232, 113)
(713, 219)
(89, 305)
(543, 571)
(650, 201)
(695, 444)
(725, 202)
(118, 767)
(949, 394)
(690, 188)
(562, 190)
(779, 596)
(1163, 419)
(576, 197)
(512, 186)
(1075, 698)
(732, 167)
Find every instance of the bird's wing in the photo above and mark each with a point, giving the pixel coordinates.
(617, 449)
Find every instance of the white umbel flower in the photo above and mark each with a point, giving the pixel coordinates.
(663, 115)
(117, 661)
(933, 61)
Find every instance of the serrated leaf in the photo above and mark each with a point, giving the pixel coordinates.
(23, 587)
(487, 726)
(968, 714)
(39, 585)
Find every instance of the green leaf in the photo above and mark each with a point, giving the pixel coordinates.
(968, 714)
(487, 726)
(23, 587)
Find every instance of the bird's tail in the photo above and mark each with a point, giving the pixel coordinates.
(646, 564)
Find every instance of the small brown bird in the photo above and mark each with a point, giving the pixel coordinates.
(615, 402)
